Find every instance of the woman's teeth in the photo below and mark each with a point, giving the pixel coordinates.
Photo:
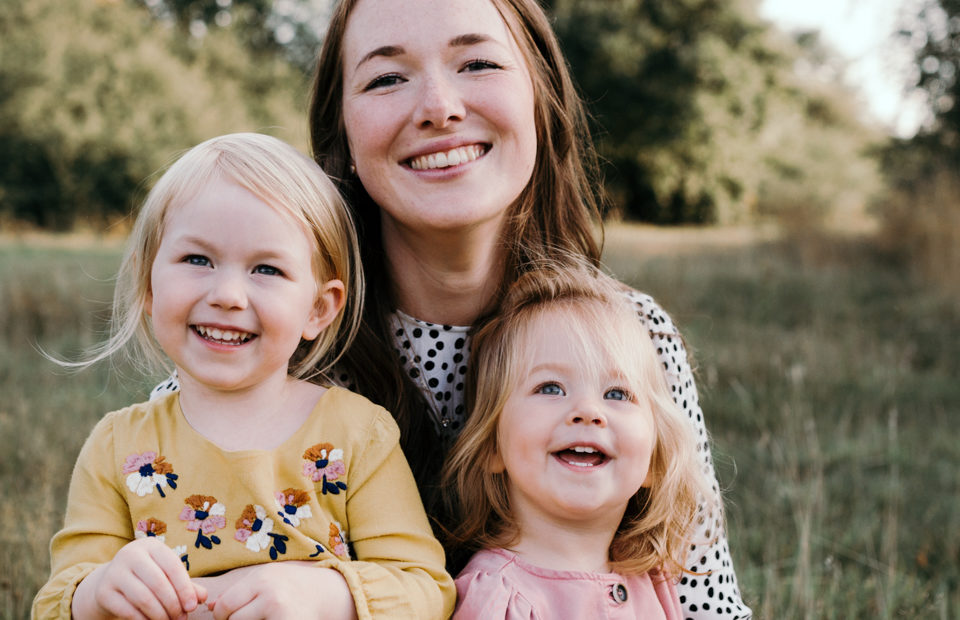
(453, 157)
(223, 336)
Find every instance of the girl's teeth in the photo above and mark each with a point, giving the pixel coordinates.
(223, 335)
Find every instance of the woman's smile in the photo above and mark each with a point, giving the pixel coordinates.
(448, 159)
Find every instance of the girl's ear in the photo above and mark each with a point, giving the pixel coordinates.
(330, 300)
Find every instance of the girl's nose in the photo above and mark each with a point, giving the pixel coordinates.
(587, 412)
(227, 291)
(440, 104)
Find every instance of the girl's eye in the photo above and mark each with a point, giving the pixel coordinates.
(479, 64)
(197, 260)
(267, 270)
(384, 81)
(618, 394)
(550, 389)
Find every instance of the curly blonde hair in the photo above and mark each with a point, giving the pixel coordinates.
(659, 520)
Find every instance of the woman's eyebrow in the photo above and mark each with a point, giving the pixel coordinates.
(463, 40)
(383, 50)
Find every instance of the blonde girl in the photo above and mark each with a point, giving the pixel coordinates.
(256, 489)
(575, 478)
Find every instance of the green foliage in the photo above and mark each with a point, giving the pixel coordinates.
(934, 32)
(98, 96)
(702, 118)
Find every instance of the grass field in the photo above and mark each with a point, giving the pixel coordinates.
(828, 377)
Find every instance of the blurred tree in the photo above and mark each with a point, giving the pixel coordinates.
(700, 114)
(95, 97)
(295, 27)
(934, 32)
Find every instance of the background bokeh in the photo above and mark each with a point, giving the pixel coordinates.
(809, 256)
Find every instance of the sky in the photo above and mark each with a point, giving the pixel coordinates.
(862, 31)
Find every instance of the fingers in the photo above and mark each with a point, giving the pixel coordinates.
(146, 580)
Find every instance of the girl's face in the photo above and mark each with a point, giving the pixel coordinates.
(575, 445)
(233, 289)
(438, 106)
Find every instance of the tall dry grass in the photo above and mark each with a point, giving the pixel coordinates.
(829, 384)
(828, 377)
(921, 224)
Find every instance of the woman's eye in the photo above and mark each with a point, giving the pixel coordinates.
(196, 259)
(479, 64)
(550, 389)
(384, 81)
(267, 270)
(618, 394)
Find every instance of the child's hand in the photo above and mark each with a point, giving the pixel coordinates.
(285, 590)
(144, 580)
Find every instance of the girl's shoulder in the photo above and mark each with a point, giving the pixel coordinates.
(487, 588)
(355, 416)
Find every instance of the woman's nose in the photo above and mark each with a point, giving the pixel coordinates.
(440, 103)
(227, 291)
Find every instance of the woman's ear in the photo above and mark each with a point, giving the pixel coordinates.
(495, 464)
(330, 300)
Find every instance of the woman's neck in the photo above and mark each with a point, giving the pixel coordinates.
(448, 278)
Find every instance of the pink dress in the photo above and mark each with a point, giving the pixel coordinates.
(498, 584)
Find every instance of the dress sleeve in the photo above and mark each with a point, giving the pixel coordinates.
(713, 592)
(399, 571)
(482, 595)
(96, 526)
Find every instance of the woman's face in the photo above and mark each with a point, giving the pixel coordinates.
(439, 111)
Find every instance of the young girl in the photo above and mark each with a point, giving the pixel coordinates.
(576, 475)
(243, 265)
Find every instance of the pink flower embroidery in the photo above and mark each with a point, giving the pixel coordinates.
(325, 464)
(148, 471)
(205, 516)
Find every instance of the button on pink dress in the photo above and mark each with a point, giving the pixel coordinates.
(498, 584)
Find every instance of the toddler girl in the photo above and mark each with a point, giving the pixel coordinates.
(575, 476)
(242, 270)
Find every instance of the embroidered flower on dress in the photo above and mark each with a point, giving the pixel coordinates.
(294, 506)
(338, 541)
(147, 528)
(255, 530)
(149, 471)
(325, 463)
(204, 515)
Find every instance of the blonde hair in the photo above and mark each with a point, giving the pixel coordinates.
(283, 178)
(659, 520)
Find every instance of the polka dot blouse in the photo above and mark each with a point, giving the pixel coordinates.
(435, 358)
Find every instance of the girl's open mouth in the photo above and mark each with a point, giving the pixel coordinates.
(581, 456)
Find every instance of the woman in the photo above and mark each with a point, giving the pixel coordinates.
(461, 146)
